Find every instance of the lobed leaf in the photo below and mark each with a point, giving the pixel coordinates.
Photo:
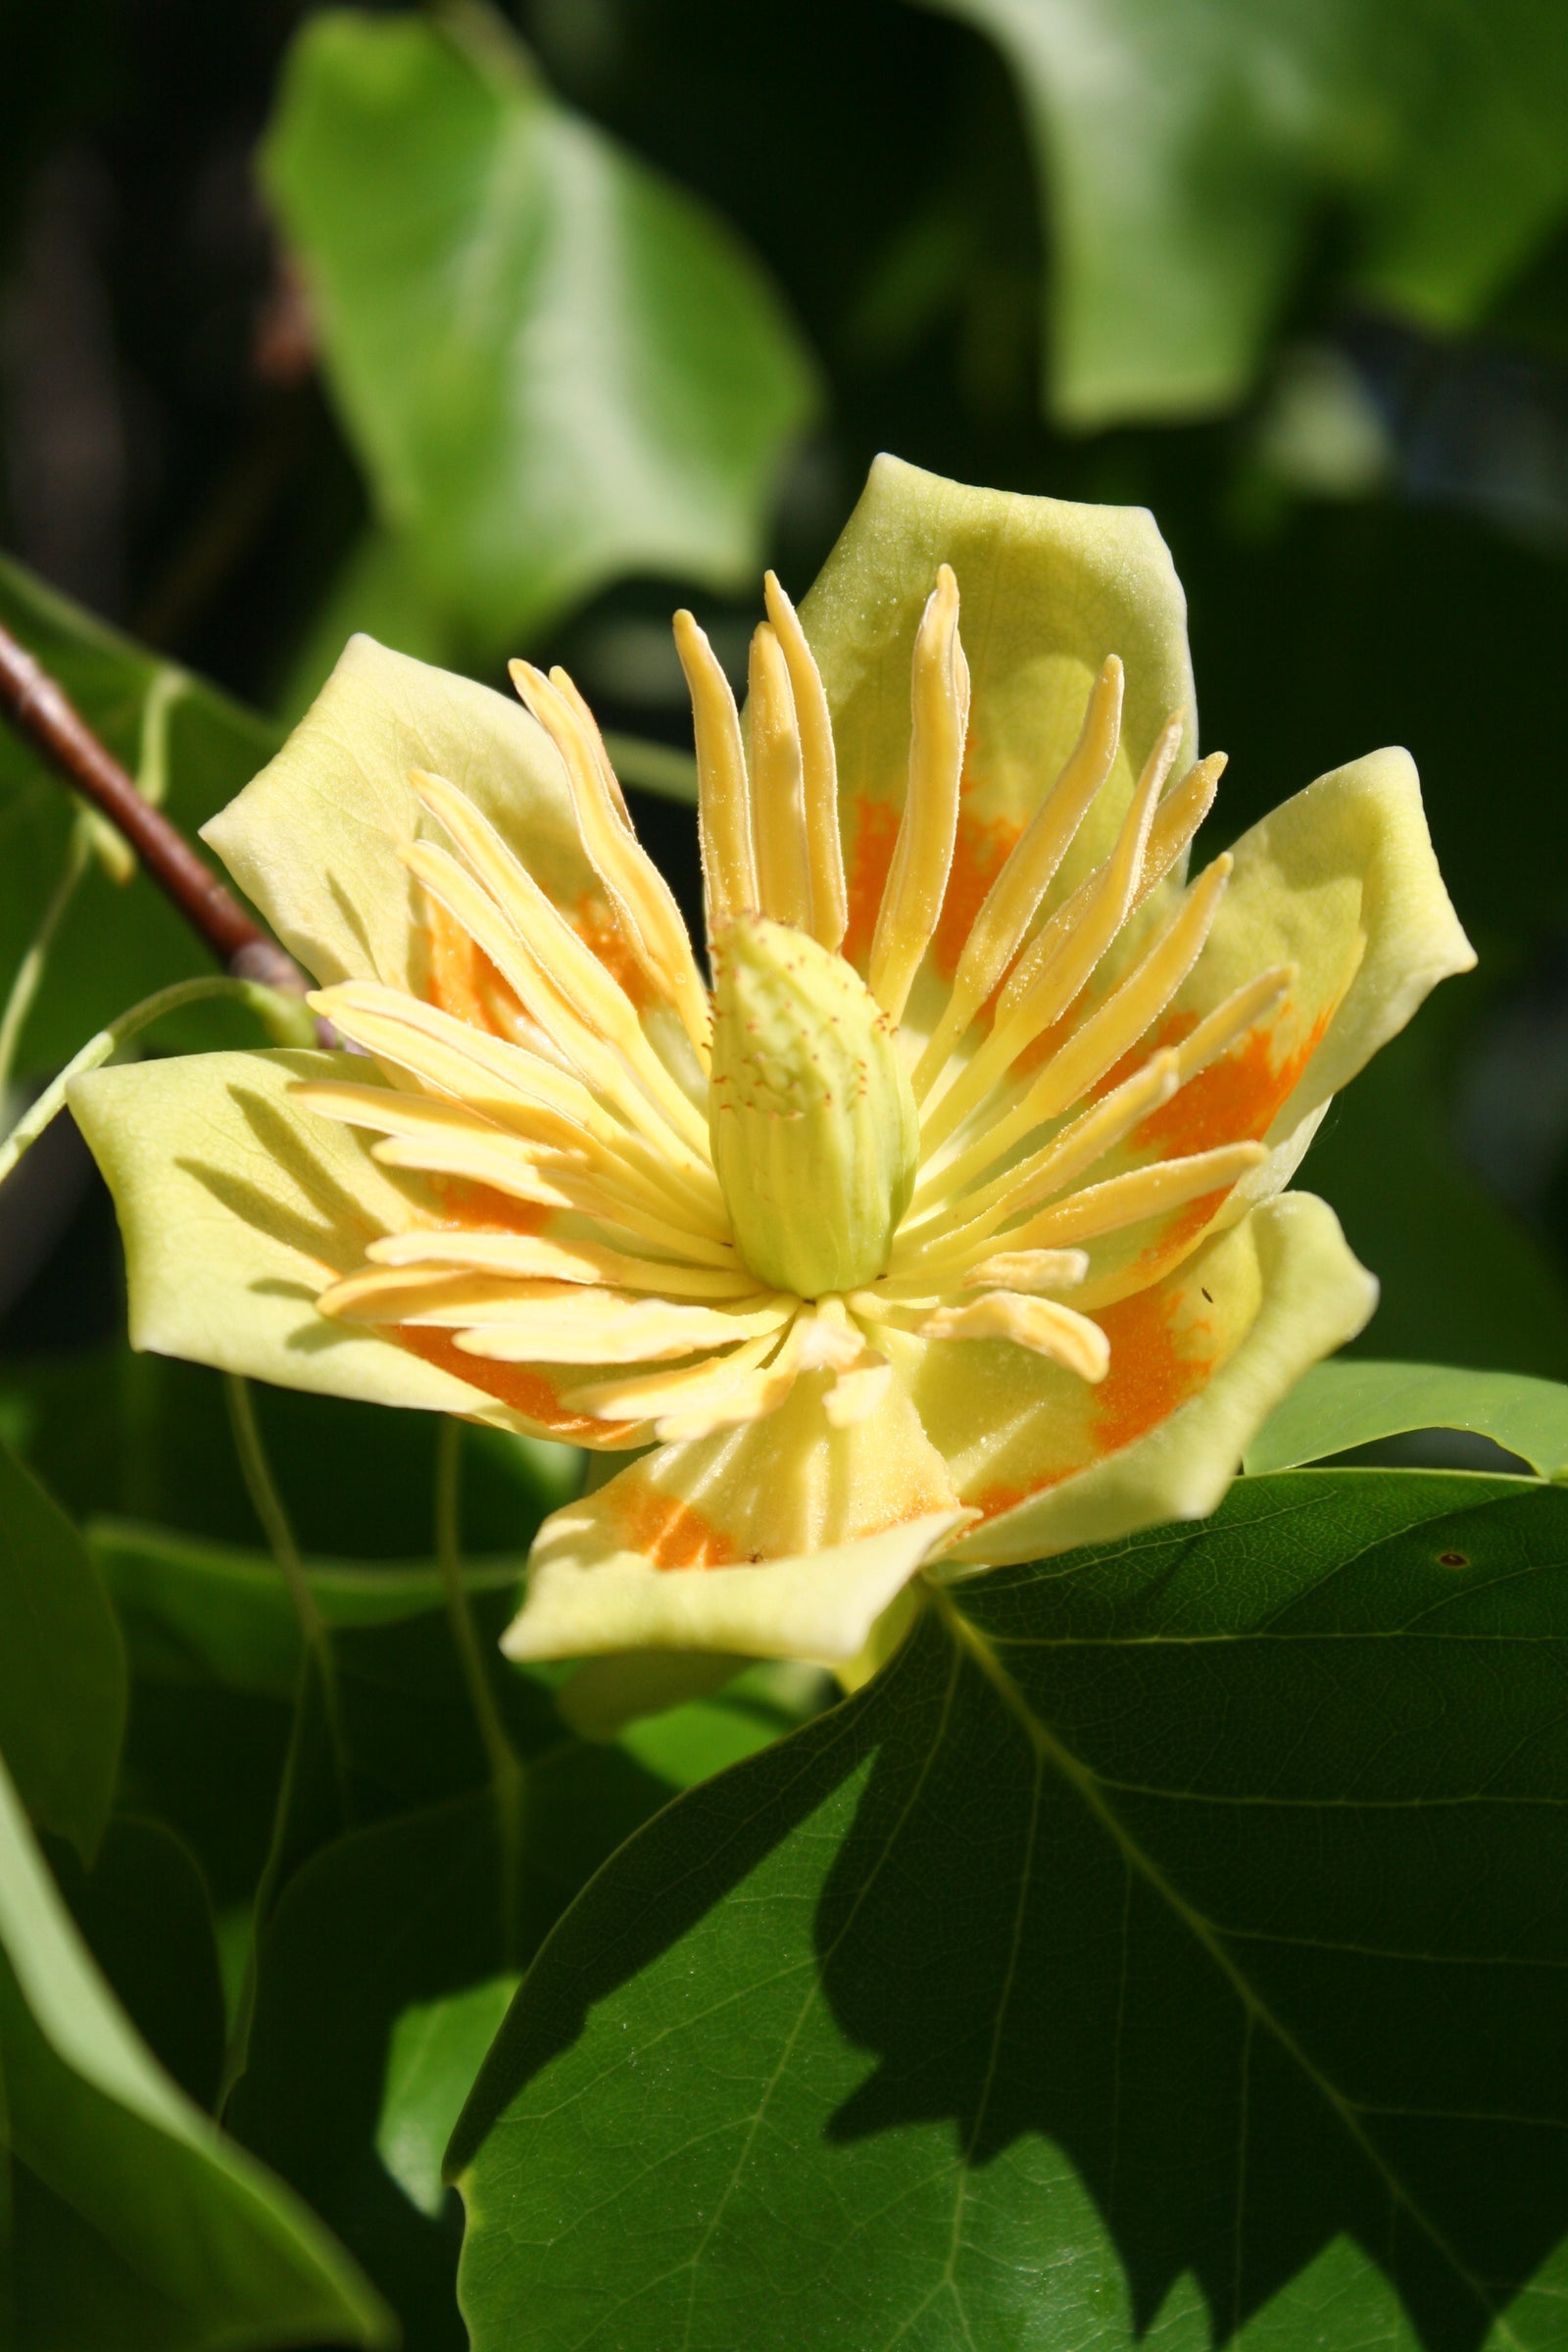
(1168, 1945)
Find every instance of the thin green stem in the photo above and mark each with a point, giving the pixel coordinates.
(101, 1049)
(268, 1506)
(505, 1765)
(29, 972)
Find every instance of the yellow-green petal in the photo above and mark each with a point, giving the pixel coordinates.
(1311, 1295)
(236, 1206)
(786, 1538)
(314, 840)
(1048, 589)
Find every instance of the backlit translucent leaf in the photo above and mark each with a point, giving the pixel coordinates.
(1340, 1405)
(555, 366)
(1186, 148)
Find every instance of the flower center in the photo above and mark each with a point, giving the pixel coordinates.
(813, 1127)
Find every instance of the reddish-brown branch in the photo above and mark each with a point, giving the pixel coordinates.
(40, 710)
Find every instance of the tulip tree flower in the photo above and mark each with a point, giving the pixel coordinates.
(942, 1222)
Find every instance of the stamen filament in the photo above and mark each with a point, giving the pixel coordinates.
(535, 1257)
(641, 897)
(1029, 869)
(723, 788)
(778, 813)
(923, 856)
(818, 769)
(1043, 1325)
(1065, 972)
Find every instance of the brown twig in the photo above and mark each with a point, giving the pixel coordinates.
(40, 710)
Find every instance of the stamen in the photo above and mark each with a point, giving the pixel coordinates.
(1228, 1022)
(1089, 1137)
(1064, 972)
(723, 789)
(819, 770)
(1214, 1036)
(650, 1101)
(600, 1327)
(514, 1086)
(1032, 1270)
(1115, 1028)
(1151, 1191)
(751, 1398)
(648, 1396)
(580, 982)
(535, 1257)
(923, 856)
(1176, 820)
(641, 897)
(600, 1200)
(778, 814)
(1012, 898)
(1042, 1325)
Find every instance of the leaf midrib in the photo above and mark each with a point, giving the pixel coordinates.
(967, 1641)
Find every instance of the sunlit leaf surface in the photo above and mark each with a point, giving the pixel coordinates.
(1169, 1948)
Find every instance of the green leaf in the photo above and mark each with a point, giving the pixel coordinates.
(213, 1612)
(143, 1913)
(391, 1919)
(1167, 1946)
(436, 2050)
(1184, 147)
(62, 1667)
(135, 2222)
(554, 366)
(1350, 1403)
(191, 749)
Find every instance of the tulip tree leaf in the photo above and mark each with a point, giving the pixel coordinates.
(134, 2221)
(220, 1612)
(190, 749)
(554, 366)
(1350, 1403)
(1168, 1946)
(61, 1665)
(1184, 147)
(401, 1915)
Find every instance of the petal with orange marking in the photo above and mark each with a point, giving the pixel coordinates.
(1048, 590)
(238, 1207)
(786, 1538)
(1343, 882)
(1197, 1365)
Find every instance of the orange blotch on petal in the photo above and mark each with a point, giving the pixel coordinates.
(461, 980)
(980, 850)
(1234, 1100)
(669, 1531)
(594, 921)
(522, 1388)
(1158, 1359)
(876, 831)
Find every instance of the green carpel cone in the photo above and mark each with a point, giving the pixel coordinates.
(813, 1122)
